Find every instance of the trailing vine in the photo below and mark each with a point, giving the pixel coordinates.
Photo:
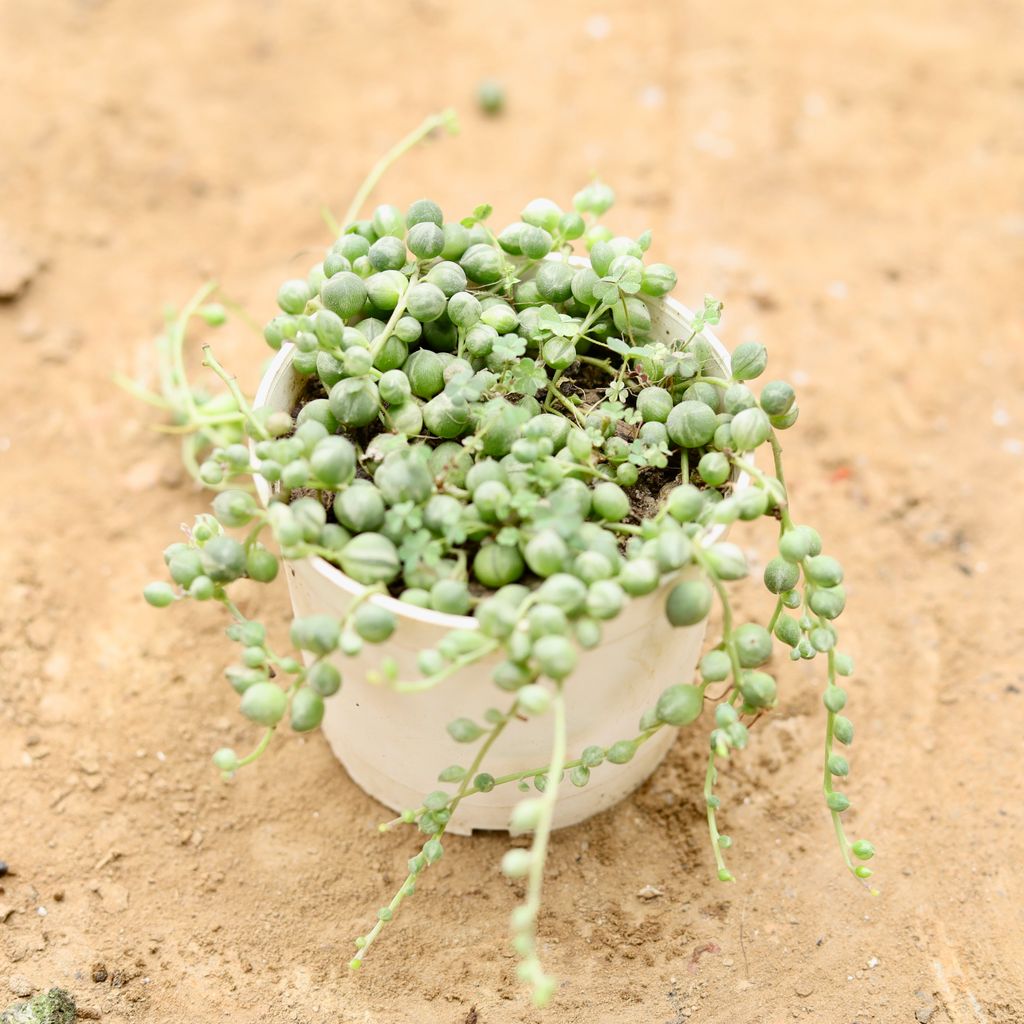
(481, 416)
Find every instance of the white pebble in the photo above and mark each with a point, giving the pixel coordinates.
(652, 96)
(815, 105)
(714, 145)
(598, 26)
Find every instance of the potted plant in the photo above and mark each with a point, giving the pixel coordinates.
(499, 474)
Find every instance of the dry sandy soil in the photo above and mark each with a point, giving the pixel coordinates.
(845, 176)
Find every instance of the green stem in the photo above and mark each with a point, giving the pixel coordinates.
(259, 749)
(787, 523)
(553, 392)
(199, 423)
(593, 471)
(429, 682)
(176, 345)
(526, 915)
(751, 470)
(465, 785)
(189, 451)
(727, 619)
(242, 313)
(445, 119)
(710, 776)
(407, 886)
(136, 390)
(396, 314)
(844, 843)
(634, 531)
(236, 392)
(602, 363)
(504, 780)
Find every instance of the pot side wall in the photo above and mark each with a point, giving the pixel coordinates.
(393, 745)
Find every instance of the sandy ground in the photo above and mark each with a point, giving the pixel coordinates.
(845, 176)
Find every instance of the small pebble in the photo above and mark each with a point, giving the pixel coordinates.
(652, 96)
(649, 892)
(20, 985)
(17, 268)
(3, 868)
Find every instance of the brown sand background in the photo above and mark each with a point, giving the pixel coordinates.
(847, 177)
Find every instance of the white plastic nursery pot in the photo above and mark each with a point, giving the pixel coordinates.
(393, 745)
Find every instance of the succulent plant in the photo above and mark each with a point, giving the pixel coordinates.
(489, 427)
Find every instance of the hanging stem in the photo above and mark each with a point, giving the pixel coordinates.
(711, 801)
(504, 780)
(236, 392)
(418, 864)
(397, 313)
(787, 523)
(445, 119)
(525, 917)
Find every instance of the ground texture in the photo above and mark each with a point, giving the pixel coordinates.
(845, 177)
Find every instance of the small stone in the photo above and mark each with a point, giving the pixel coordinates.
(29, 327)
(57, 667)
(113, 897)
(5, 912)
(924, 1015)
(59, 344)
(99, 973)
(90, 1012)
(803, 989)
(142, 476)
(649, 892)
(597, 27)
(17, 268)
(40, 634)
(20, 985)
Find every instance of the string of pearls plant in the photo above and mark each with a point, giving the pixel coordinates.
(478, 422)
